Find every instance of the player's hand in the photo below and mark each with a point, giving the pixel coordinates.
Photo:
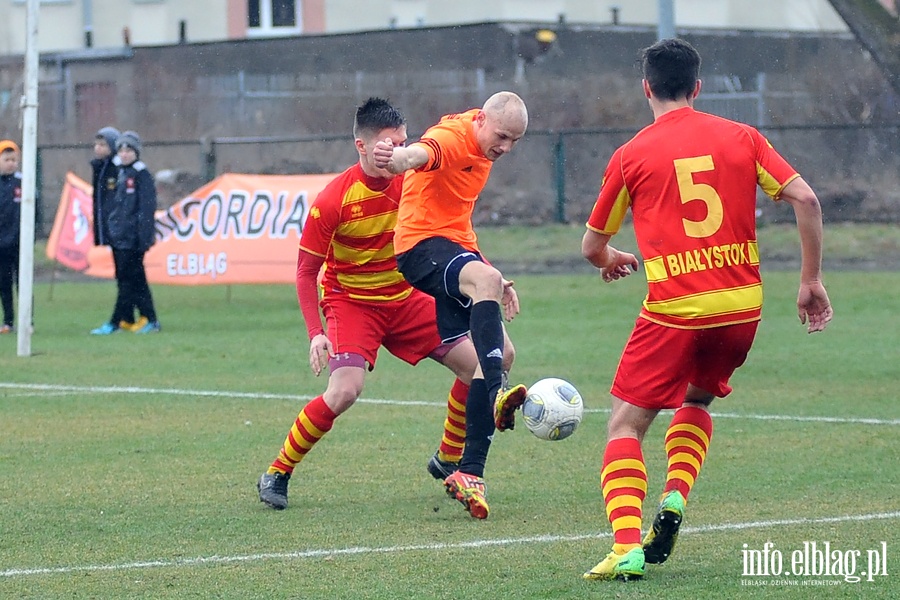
(510, 300)
(383, 152)
(813, 306)
(320, 350)
(621, 265)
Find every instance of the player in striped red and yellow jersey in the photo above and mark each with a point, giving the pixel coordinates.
(690, 181)
(366, 304)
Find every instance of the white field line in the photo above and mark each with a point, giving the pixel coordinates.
(41, 389)
(331, 552)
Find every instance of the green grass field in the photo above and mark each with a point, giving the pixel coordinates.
(128, 464)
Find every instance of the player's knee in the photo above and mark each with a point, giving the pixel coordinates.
(342, 396)
(480, 282)
(698, 396)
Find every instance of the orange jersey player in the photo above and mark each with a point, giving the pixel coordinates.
(366, 304)
(437, 252)
(690, 180)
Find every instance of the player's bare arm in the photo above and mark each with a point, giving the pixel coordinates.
(510, 300)
(613, 264)
(320, 350)
(813, 306)
(398, 159)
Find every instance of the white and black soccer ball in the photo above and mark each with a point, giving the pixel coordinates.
(552, 409)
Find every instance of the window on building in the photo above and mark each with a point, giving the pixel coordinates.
(273, 17)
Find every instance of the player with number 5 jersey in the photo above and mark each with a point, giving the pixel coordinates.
(690, 181)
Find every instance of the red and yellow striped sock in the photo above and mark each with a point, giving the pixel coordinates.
(454, 439)
(687, 442)
(313, 422)
(624, 483)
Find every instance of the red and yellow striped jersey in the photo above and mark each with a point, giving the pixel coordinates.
(351, 225)
(690, 180)
(439, 197)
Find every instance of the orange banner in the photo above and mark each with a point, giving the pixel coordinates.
(72, 235)
(235, 229)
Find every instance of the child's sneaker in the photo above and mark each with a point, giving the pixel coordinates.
(6, 328)
(149, 327)
(133, 327)
(105, 329)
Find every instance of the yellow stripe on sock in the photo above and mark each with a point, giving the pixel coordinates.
(681, 474)
(678, 442)
(626, 522)
(625, 482)
(456, 404)
(301, 441)
(687, 427)
(450, 427)
(626, 501)
(621, 464)
(308, 425)
(685, 457)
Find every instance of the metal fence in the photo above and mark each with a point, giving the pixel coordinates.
(550, 176)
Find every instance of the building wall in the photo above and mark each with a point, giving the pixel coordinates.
(156, 22)
(149, 22)
(301, 91)
(800, 15)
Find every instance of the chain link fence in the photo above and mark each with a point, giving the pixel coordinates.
(551, 176)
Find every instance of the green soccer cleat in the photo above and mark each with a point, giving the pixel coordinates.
(619, 566)
(660, 540)
(505, 406)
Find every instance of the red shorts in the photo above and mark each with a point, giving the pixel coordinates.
(407, 328)
(659, 362)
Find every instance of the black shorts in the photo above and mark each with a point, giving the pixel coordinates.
(433, 266)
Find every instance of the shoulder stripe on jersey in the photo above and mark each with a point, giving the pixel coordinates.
(438, 154)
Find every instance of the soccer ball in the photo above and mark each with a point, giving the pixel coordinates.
(552, 409)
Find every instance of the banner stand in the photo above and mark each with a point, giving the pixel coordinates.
(52, 281)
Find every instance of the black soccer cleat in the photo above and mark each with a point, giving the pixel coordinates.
(273, 488)
(441, 469)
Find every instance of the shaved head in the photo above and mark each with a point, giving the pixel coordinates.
(501, 123)
(508, 107)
